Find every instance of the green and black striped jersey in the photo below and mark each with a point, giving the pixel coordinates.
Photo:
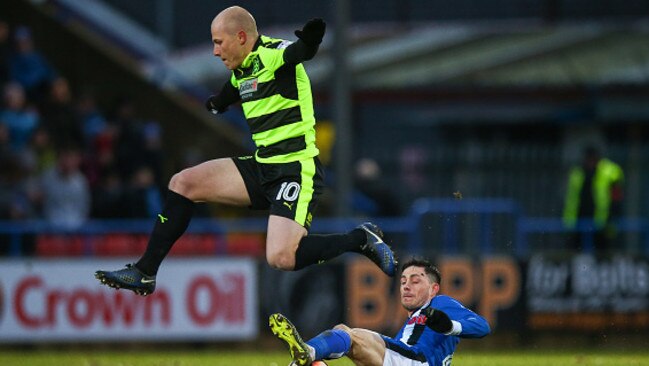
(277, 103)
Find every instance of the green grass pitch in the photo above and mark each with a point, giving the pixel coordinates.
(222, 358)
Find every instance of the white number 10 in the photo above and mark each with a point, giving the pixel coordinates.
(288, 191)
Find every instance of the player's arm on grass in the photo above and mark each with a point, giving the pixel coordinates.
(219, 103)
(452, 318)
(309, 38)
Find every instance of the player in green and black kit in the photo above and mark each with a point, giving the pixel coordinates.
(284, 176)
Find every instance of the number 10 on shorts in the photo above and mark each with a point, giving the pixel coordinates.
(288, 191)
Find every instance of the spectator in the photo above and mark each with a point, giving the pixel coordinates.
(59, 115)
(412, 165)
(142, 199)
(5, 148)
(152, 155)
(593, 200)
(20, 195)
(129, 146)
(28, 67)
(21, 119)
(8, 171)
(42, 149)
(5, 51)
(107, 196)
(100, 160)
(92, 121)
(66, 192)
(24, 188)
(373, 196)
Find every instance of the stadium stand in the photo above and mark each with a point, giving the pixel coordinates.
(461, 132)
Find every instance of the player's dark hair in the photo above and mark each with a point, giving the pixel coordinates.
(428, 267)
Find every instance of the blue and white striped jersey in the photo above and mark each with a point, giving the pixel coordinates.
(418, 342)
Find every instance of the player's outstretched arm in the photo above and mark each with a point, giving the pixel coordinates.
(219, 103)
(309, 39)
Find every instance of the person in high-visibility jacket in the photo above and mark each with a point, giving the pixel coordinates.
(594, 195)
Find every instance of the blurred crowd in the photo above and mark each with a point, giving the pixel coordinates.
(62, 158)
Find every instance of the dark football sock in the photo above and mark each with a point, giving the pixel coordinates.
(319, 248)
(170, 225)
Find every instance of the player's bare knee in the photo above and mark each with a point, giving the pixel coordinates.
(355, 333)
(361, 339)
(344, 327)
(180, 183)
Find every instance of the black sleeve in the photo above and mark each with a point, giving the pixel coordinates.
(299, 52)
(228, 95)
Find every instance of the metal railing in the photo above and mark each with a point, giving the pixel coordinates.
(433, 226)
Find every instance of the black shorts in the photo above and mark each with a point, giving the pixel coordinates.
(289, 190)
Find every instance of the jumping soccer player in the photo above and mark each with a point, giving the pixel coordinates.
(284, 176)
(429, 337)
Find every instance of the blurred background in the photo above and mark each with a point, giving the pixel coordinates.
(506, 140)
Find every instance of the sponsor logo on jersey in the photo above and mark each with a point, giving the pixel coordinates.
(247, 87)
(419, 319)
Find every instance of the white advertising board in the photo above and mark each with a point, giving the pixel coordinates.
(60, 300)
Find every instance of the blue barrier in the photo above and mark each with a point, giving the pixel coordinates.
(410, 225)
